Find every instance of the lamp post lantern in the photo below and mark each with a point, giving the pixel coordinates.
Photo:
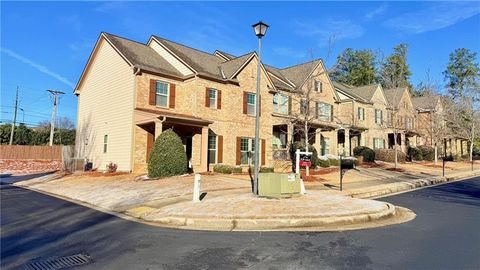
(260, 29)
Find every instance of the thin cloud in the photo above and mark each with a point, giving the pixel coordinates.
(436, 16)
(38, 67)
(376, 12)
(330, 28)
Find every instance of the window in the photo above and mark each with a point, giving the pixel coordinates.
(247, 151)
(361, 113)
(279, 140)
(212, 95)
(212, 149)
(251, 104)
(318, 86)
(324, 111)
(303, 106)
(105, 143)
(378, 116)
(409, 123)
(325, 144)
(378, 143)
(280, 103)
(389, 118)
(161, 94)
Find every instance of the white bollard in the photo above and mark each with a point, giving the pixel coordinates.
(302, 187)
(196, 188)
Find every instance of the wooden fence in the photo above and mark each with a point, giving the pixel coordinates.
(31, 152)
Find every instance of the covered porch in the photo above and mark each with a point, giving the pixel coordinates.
(349, 138)
(193, 131)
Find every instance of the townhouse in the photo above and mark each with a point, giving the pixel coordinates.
(129, 92)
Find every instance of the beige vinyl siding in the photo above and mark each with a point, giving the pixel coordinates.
(170, 58)
(105, 107)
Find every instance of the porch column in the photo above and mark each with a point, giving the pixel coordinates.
(334, 142)
(414, 140)
(346, 145)
(403, 146)
(158, 127)
(289, 133)
(361, 141)
(318, 144)
(204, 150)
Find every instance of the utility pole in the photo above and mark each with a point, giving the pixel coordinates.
(14, 118)
(55, 94)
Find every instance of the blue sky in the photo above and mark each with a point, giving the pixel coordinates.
(45, 45)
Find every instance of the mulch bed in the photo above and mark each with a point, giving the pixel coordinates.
(102, 174)
(395, 170)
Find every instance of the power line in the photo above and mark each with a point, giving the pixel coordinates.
(14, 118)
(55, 94)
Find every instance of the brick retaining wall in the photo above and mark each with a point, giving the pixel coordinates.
(29, 166)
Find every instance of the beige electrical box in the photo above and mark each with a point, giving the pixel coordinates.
(278, 185)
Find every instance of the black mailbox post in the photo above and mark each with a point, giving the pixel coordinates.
(345, 165)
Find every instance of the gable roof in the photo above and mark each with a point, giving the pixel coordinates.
(425, 103)
(298, 74)
(361, 93)
(141, 55)
(394, 95)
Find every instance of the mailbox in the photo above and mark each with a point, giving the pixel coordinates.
(448, 158)
(278, 185)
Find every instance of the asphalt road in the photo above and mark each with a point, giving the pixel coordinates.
(445, 235)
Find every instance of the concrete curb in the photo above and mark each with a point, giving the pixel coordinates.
(382, 190)
(252, 224)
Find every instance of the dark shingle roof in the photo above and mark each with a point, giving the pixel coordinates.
(202, 62)
(425, 102)
(229, 56)
(299, 73)
(229, 67)
(361, 93)
(142, 55)
(394, 95)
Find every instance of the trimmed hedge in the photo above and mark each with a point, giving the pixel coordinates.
(367, 153)
(334, 162)
(324, 163)
(301, 146)
(414, 154)
(227, 169)
(388, 155)
(428, 152)
(266, 169)
(167, 157)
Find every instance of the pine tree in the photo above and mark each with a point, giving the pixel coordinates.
(394, 71)
(355, 67)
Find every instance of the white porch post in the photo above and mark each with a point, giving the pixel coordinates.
(204, 151)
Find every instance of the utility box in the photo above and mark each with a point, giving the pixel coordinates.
(278, 185)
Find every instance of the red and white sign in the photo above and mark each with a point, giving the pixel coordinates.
(305, 163)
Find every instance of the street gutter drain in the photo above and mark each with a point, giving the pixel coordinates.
(59, 263)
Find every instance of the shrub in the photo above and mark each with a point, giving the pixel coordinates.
(226, 169)
(266, 169)
(414, 154)
(334, 162)
(367, 153)
(167, 157)
(428, 152)
(237, 169)
(323, 162)
(301, 146)
(388, 155)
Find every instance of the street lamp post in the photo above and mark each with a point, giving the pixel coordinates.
(260, 29)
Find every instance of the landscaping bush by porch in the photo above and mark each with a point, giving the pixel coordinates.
(428, 153)
(266, 169)
(414, 154)
(367, 153)
(226, 169)
(388, 155)
(167, 157)
(323, 162)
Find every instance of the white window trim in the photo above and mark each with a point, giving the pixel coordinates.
(278, 105)
(254, 104)
(210, 99)
(320, 88)
(105, 143)
(168, 94)
(216, 148)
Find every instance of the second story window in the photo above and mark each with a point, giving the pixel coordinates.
(161, 94)
(212, 95)
(324, 111)
(389, 118)
(318, 86)
(378, 116)
(280, 103)
(361, 114)
(303, 106)
(409, 123)
(251, 104)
